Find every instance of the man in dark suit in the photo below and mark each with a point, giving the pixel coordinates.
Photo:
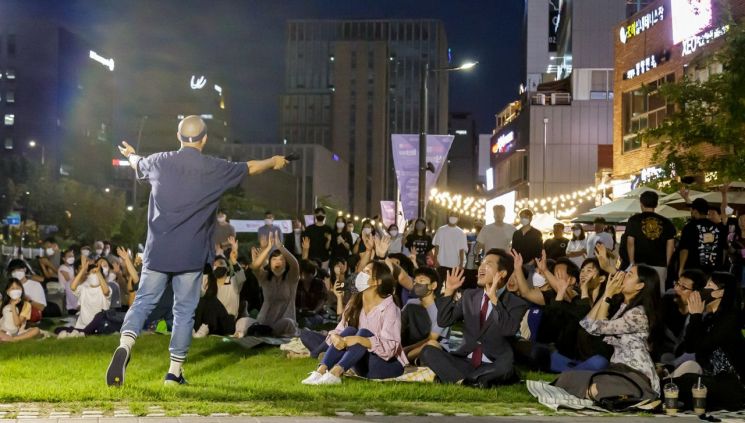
(491, 316)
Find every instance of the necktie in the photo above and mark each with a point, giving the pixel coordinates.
(477, 353)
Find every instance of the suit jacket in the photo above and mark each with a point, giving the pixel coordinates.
(291, 246)
(499, 327)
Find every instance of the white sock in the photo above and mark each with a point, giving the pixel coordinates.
(127, 340)
(175, 367)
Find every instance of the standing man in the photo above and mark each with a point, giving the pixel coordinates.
(450, 244)
(650, 237)
(269, 230)
(319, 235)
(600, 236)
(556, 247)
(186, 189)
(701, 241)
(527, 241)
(223, 230)
(497, 234)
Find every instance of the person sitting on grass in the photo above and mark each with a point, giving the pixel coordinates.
(219, 306)
(15, 313)
(132, 275)
(105, 267)
(419, 316)
(65, 275)
(94, 296)
(368, 337)
(311, 295)
(278, 273)
(491, 317)
(32, 289)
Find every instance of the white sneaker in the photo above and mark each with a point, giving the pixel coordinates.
(203, 331)
(329, 379)
(312, 379)
(77, 334)
(62, 335)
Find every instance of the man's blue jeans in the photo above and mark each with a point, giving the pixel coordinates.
(186, 291)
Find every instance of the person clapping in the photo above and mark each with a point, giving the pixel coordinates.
(94, 296)
(16, 311)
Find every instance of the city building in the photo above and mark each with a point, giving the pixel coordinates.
(557, 135)
(350, 84)
(319, 177)
(55, 89)
(462, 163)
(665, 42)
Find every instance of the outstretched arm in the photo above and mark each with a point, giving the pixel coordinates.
(256, 167)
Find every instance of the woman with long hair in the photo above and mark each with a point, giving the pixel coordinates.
(15, 313)
(577, 247)
(341, 241)
(419, 242)
(631, 331)
(368, 337)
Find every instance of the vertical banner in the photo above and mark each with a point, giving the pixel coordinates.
(406, 161)
(388, 213)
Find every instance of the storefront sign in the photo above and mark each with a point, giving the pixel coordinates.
(643, 66)
(690, 17)
(504, 144)
(109, 63)
(692, 44)
(642, 24)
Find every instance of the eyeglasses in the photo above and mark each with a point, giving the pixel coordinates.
(683, 287)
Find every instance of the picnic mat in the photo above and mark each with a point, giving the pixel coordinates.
(249, 342)
(411, 374)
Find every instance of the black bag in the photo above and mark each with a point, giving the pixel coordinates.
(258, 329)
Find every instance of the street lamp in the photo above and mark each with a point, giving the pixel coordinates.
(33, 144)
(545, 127)
(137, 148)
(423, 106)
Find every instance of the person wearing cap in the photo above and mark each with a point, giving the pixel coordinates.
(701, 241)
(556, 247)
(650, 237)
(600, 236)
(186, 189)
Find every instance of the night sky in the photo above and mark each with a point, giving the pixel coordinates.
(243, 43)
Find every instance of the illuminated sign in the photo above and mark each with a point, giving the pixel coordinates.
(109, 63)
(690, 17)
(504, 143)
(642, 24)
(119, 163)
(645, 65)
(218, 89)
(692, 44)
(461, 132)
(490, 179)
(198, 83)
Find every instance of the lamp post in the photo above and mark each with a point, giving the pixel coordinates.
(423, 127)
(137, 148)
(545, 127)
(33, 144)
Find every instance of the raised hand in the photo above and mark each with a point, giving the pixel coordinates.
(517, 258)
(126, 149)
(306, 243)
(233, 243)
(454, 280)
(541, 263)
(339, 288)
(218, 250)
(695, 303)
(382, 243)
(279, 162)
(84, 261)
(255, 253)
(601, 252)
(615, 285)
(369, 241)
(122, 253)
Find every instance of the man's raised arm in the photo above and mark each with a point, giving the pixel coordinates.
(256, 167)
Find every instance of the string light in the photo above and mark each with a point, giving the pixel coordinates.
(562, 205)
(467, 206)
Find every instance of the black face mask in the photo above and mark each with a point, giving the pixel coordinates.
(420, 290)
(706, 295)
(220, 272)
(320, 218)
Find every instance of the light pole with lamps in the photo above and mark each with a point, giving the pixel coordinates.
(423, 128)
(545, 127)
(137, 148)
(33, 144)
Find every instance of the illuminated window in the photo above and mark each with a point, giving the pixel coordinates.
(8, 143)
(643, 108)
(10, 74)
(10, 119)
(10, 97)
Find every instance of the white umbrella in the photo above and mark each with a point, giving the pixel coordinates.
(636, 192)
(676, 196)
(714, 197)
(623, 208)
(544, 222)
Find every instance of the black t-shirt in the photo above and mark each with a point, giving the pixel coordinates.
(556, 247)
(528, 245)
(338, 250)
(704, 241)
(317, 235)
(421, 244)
(651, 233)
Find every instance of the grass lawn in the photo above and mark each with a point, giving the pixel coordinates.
(69, 375)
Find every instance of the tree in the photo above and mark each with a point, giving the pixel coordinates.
(709, 113)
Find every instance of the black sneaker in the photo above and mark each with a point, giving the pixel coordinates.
(117, 367)
(173, 380)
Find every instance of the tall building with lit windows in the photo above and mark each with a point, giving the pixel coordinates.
(54, 87)
(349, 85)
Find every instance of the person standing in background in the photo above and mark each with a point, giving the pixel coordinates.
(450, 247)
(223, 230)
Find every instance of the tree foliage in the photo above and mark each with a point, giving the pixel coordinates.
(712, 113)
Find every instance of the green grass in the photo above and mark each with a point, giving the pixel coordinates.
(69, 375)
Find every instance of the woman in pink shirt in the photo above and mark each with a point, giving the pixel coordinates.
(368, 337)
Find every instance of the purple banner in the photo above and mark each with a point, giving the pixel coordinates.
(388, 213)
(406, 160)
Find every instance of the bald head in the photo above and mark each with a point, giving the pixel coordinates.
(192, 129)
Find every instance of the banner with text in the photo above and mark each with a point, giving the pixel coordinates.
(388, 213)
(406, 161)
(253, 225)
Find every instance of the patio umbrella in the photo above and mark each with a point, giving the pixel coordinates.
(620, 210)
(636, 192)
(714, 197)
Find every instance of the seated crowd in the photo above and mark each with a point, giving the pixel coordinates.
(611, 319)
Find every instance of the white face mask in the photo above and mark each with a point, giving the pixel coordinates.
(70, 260)
(92, 281)
(50, 251)
(538, 280)
(362, 281)
(19, 274)
(268, 222)
(297, 230)
(15, 294)
(393, 233)
(106, 252)
(340, 225)
(105, 271)
(367, 231)
(577, 232)
(452, 220)
(85, 253)
(98, 252)
(525, 221)
(221, 219)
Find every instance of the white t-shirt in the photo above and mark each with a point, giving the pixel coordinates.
(577, 245)
(71, 301)
(603, 237)
(35, 292)
(7, 324)
(450, 241)
(92, 302)
(496, 236)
